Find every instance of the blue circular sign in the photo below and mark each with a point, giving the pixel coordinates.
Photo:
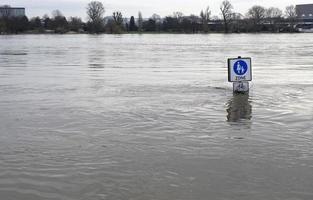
(240, 67)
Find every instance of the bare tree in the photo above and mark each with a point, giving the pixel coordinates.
(291, 12)
(273, 13)
(45, 16)
(257, 14)
(206, 14)
(46, 21)
(273, 16)
(115, 25)
(205, 17)
(58, 22)
(158, 21)
(35, 24)
(140, 21)
(57, 13)
(95, 11)
(179, 16)
(118, 18)
(156, 17)
(291, 15)
(75, 24)
(226, 10)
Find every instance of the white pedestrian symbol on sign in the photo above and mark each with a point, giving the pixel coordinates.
(240, 67)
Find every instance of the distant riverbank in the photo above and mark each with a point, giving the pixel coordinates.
(174, 25)
(143, 33)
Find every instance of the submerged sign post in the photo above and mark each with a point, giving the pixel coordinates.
(240, 73)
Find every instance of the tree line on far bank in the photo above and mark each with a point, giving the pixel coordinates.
(257, 19)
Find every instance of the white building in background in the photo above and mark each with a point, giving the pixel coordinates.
(7, 11)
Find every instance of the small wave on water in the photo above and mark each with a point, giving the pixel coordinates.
(13, 53)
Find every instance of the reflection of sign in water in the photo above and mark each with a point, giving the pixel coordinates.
(239, 108)
(240, 67)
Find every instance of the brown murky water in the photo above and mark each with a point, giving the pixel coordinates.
(153, 117)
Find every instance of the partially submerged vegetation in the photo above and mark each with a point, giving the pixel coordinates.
(258, 19)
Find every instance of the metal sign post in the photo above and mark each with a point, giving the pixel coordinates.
(240, 73)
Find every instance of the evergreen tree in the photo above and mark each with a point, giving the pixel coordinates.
(132, 24)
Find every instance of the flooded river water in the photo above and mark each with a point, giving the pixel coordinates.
(142, 117)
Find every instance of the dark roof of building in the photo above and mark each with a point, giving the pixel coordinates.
(305, 10)
(2, 7)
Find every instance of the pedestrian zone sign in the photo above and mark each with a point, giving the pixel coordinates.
(239, 69)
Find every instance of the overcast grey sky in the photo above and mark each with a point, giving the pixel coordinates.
(147, 7)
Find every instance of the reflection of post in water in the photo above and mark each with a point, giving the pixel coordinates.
(239, 108)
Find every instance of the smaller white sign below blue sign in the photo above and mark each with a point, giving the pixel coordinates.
(239, 69)
(241, 86)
